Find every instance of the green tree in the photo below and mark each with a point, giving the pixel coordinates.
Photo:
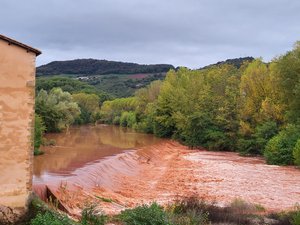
(89, 106)
(128, 119)
(146, 106)
(199, 107)
(253, 91)
(288, 67)
(114, 108)
(279, 150)
(148, 94)
(260, 111)
(70, 85)
(57, 109)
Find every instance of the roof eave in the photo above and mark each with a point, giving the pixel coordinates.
(28, 48)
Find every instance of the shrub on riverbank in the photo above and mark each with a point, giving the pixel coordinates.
(49, 218)
(128, 119)
(91, 216)
(279, 149)
(296, 218)
(41, 214)
(39, 129)
(89, 107)
(146, 215)
(57, 109)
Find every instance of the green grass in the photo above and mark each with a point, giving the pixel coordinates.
(122, 85)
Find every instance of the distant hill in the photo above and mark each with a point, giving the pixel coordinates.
(99, 67)
(118, 79)
(237, 62)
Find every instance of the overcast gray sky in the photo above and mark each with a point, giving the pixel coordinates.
(189, 33)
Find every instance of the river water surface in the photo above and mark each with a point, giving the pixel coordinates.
(85, 145)
(92, 163)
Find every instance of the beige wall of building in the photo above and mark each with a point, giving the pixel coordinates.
(17, 79)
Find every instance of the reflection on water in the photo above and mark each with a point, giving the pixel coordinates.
(84, 145)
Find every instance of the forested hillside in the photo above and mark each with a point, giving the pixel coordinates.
(118, 83)
(98, 67)
(116, 86)
(237, 62)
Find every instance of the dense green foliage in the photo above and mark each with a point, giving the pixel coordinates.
(89, 107)
(111, 110)
(168, 108)
(66, 84)
(127, 119)
(121, 86)
(97, 67)
(89, 216)
(253, 108)
(70, 85)
(237, 62)
(287, 69)
(145, 215)
(198, 107)
(57, 109)
(105, 86)
(39, 129)
(296, 218)
(49, 218)
(279, 149)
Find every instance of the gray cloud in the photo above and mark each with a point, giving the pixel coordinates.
(191, 33)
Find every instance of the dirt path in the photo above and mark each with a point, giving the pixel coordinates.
(168, 170)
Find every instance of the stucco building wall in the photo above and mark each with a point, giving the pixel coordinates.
(17, 79)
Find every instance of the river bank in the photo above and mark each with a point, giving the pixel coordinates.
(167, 170)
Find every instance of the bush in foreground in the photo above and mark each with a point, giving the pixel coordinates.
(189, 211)
(296, 218)
(145, 215)
(91, 216)
(49, 218)
(198, 212)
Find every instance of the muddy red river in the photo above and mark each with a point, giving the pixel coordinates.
(116, 168)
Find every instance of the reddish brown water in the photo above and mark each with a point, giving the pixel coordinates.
(83, 146)
(90, 164)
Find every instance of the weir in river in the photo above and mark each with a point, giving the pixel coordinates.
(116, 168)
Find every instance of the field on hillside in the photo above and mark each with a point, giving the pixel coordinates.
(122, 85)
